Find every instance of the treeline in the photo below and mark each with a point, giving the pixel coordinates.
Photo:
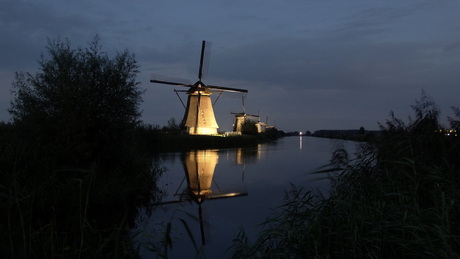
(397, 199)
(351, 134)
(171, 138)
(158, 139)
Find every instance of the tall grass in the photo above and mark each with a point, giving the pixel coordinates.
(398, 199)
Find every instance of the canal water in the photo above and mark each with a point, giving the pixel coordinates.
(213, 194)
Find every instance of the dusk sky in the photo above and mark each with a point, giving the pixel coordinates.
(308, 65)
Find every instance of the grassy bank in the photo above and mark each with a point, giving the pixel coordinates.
(155, 140)
(175, 143)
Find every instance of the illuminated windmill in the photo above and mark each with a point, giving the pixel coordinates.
(241, 117)
(199, 116)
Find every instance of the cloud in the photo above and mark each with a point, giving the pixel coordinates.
(333, 63)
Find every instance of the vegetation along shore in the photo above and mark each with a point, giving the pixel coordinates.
(397, 199)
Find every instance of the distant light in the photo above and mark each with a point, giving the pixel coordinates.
(300, 133)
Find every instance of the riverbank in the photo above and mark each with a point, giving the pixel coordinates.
(159, 141)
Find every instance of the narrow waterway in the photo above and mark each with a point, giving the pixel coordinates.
(213, 194)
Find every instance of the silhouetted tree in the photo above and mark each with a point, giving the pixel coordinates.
(80, 102)
(455, 121)
(172, 124)
(172, 127)
(72, 150)
(249, 128)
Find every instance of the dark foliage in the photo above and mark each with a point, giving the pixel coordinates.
(159, 140)
(398, 199)
(249, 128)
(73, 177)
(81, 102)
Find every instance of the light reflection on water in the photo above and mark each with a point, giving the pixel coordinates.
(263, 173)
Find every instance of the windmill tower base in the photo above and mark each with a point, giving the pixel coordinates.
(199, 117)
(201, 131)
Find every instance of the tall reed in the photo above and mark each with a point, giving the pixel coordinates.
(398, 199)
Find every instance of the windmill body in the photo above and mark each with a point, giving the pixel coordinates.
(238, 123)
(199, 116)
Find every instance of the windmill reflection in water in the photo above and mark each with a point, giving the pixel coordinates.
(199, 166)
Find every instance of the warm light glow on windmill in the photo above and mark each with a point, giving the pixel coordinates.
(199, 116)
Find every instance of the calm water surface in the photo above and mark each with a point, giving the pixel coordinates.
(237, 189)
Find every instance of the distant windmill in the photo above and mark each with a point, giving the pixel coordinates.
(199, 116)
(241, 117)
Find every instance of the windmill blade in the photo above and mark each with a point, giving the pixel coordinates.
(210, 197)
(207, 58)
(168, 83)
(228, 89)
(226, 195)
(200, 70)
(160, 79)
(204, 59)
(172, 202)
(200, 215)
